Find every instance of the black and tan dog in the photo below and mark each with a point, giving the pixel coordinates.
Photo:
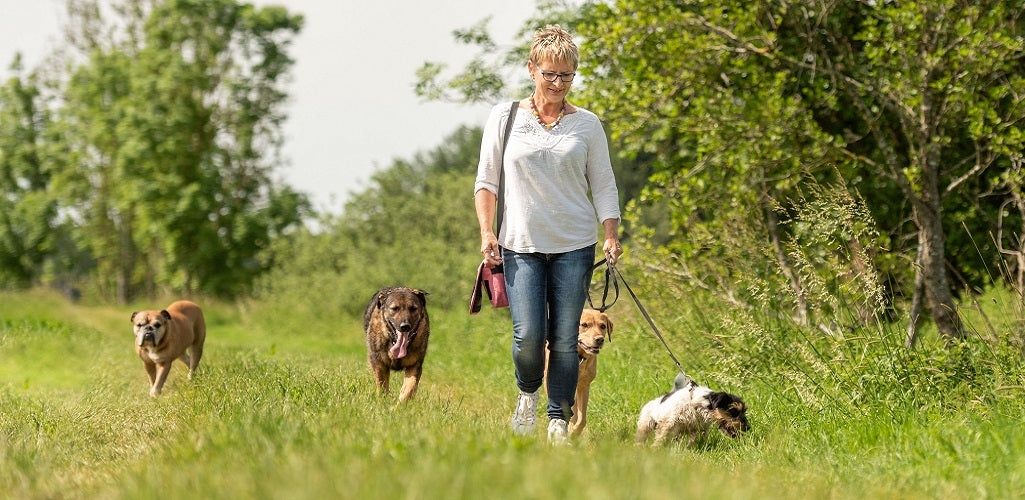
(397, 329)
(690, 410)
(163, 336)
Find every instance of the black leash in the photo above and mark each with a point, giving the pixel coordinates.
(611, 274)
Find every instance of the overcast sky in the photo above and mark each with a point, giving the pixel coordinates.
(341, 127)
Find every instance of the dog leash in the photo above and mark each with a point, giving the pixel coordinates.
(605, 293)
(611, 274)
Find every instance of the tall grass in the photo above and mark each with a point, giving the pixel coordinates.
(285, 408)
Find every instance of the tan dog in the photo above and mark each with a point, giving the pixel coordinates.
(163, 336)
(397, 328)
(595, 327)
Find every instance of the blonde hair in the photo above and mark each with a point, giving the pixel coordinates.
(552, 43)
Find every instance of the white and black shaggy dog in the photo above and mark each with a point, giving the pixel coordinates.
(689, 410)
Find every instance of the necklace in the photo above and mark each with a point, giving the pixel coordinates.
(562, 112)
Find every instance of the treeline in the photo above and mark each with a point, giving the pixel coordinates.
(413, 225)
(823, 160)
(139, 159)
(833, 162)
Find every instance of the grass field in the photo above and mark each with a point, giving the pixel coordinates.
(283, 407)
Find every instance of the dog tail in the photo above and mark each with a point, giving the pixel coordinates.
(681, 382)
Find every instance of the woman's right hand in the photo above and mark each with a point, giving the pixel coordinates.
(484, 202)
(489, 249)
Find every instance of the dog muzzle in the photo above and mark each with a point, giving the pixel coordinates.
(592, 349)
(401, 336)
(148, 336)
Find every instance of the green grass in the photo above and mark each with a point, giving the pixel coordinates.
(284, 408)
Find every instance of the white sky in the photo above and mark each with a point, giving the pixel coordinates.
(341, 128)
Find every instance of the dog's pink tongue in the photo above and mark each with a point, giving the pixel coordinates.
(398, 351)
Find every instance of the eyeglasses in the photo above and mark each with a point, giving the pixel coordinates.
(550, 76)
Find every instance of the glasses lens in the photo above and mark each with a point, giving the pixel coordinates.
(550, 76)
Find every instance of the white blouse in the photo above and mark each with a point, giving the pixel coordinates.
(547, 178)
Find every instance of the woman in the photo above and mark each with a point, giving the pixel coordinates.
(556, 153)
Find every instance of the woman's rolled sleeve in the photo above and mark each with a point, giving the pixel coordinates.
(600, 176)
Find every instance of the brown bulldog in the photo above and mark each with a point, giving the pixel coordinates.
(163, 336)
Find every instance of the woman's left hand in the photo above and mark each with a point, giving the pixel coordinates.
(612, 250)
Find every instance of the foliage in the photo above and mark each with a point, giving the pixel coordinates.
(168, 130)
(28, 208)
(414, 225)
(742, 103)
(741, 110)
(484, 77)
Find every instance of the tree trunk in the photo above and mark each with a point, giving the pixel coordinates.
(915, 314)
(124, 268)
(937, 287)
(1018, 253)
(932, 254)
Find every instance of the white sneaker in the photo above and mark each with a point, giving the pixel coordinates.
(524, 419)
(558, 433)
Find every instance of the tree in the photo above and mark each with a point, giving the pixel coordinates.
(28, 209)
(914, 106)
(174, 121)
(413, 225)
(1011, 242)
(924, 96)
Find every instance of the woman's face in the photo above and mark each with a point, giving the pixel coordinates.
(558, 72)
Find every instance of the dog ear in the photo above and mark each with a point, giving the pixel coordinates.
(608, 321)
(133, 316)
(166, 315)
(372, 306)
(726, 401)
(718, 400)
(421, 295)
(381, 297)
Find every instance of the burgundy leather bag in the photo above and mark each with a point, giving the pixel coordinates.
(490, 281)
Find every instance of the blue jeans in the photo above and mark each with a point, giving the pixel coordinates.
(546, 296)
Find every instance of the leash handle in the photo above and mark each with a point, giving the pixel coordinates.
(609, 277)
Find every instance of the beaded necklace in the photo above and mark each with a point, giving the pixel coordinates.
(533, 110)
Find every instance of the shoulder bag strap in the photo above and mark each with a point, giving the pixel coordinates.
(501, 166)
